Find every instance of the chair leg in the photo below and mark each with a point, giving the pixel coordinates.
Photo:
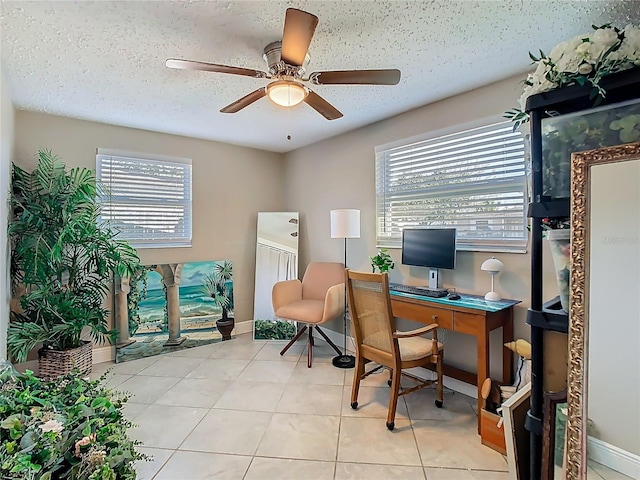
(439, 387)
(293, 340)
(393, 400)
(357, 376)
(333, 345)
(310, 347)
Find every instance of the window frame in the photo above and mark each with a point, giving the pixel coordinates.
(393, 239)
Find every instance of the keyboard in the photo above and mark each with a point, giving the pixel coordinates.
(424, 291)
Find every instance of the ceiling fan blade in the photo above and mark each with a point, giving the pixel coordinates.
(212, 67)
(321, 106)
(356, 77)
(244, 101)
(298, 31)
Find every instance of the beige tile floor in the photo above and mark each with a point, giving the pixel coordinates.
(238, 410)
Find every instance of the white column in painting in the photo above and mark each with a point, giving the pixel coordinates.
(345, 223)
(122, 311)
(171, 276)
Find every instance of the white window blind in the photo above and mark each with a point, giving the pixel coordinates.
(148, 200)
(473, 180)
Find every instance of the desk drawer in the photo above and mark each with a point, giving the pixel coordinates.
(423, 313)
(444, 318)
(467, 323)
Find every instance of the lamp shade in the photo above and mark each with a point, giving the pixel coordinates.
(492, 265)
(345, 223)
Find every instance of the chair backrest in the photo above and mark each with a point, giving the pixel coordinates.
(318, 277)
(370, 307)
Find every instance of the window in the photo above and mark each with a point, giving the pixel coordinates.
(148, 199)
(473, 180)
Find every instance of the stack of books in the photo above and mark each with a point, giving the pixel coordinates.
(507, 391)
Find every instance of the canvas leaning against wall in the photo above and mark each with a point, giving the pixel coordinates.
(173, 306)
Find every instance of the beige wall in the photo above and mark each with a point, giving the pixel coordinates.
(340, 173)
(230, 185)
(6, 146)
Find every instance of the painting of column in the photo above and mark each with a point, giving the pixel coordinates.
(173, 306)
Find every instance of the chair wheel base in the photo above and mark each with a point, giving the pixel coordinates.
(391, 425)
(439, 403)
(354, 405)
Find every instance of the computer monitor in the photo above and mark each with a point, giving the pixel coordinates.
(434, 248)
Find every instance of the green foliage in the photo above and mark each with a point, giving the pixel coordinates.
(62, 257)
(382, 261)
(274, 330)
(137, 293)
(218, 286)
(69, 428)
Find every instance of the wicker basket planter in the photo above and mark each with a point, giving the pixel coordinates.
(56, 363)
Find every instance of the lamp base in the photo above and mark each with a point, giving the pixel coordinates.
(492, 296)
(344, 361)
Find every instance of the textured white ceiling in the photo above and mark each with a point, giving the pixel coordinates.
(104, 60)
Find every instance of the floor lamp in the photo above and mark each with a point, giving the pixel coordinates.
(345, 223)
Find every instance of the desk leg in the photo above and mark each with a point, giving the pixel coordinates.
(483, 363)
(507, 355)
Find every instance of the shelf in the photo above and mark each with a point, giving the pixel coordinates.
(551, 208)
(619, 86)
(551, 317)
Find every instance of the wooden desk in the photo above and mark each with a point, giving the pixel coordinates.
(471, 315)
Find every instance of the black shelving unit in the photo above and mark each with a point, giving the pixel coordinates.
(548, 315)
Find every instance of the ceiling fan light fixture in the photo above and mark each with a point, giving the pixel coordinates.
(286, 93)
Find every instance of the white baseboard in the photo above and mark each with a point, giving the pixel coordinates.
(451, 383)
(244, 327)
(103, 354)
(613, 457)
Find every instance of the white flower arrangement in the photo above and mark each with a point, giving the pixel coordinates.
(584, 59)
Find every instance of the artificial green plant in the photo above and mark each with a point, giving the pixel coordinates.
(69, 428)
(63, 258)
(382, 261)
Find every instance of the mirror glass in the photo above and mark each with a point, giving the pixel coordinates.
(603, 420)
(613, 382)
(276, 261)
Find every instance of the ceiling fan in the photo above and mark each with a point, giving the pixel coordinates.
(286, 61)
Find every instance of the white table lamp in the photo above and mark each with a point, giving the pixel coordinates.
(493, 266)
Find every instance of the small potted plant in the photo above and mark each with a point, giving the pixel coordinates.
(219, 287)
(382, 261)
(63, 259)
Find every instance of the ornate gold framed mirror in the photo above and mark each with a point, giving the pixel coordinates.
(604, 324)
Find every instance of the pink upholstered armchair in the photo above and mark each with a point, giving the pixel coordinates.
(317, 299)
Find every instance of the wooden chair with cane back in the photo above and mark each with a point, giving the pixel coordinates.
(378, 340)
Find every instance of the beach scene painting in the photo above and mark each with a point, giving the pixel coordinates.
(176, 306)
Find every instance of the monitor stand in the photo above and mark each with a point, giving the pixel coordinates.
(434, 279)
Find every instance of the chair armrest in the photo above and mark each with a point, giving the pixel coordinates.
(333, 302)
(283, 293)
(418, 331)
